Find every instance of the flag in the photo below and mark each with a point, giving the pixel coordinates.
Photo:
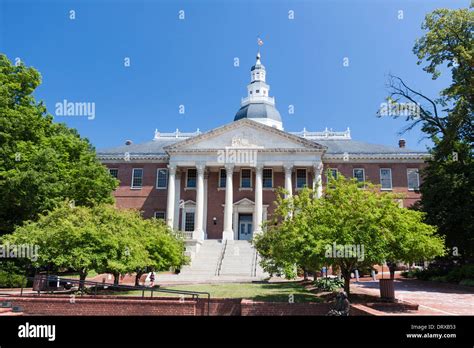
(259, 41)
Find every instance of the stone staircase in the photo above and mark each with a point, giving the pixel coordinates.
(7, 309)
(220, 261)
(239, 259)
(205, 262)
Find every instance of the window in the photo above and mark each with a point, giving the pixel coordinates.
(160, 215)
(386, 178)
(301, 180)
(359, 174)
(413, 179)
(222, 178)
(113, 172)
(189, 221)
(257, 91)
(161, 178)
(137, 178)
(191, 178)
(267, 178)
(332, 174)
(245, 178)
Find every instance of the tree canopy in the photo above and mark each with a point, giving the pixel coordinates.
(101, 238)
(349, 227)
(42, 163)
(447, 119)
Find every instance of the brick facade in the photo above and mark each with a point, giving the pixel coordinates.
(149, 199)
(130, 306)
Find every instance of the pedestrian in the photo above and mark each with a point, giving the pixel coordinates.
(152, 279)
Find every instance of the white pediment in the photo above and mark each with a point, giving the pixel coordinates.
(245, 134)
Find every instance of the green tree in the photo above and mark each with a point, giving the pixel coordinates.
(68, 238)
(42, 163)
(348, 228)
(448, 181)
(101, 238)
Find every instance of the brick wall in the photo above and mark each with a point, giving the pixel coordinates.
(122, 305)
(251, 308)
(149, 199)
(100, 306)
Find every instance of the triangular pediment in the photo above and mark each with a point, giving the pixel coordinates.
(244, 201)
(245, 133)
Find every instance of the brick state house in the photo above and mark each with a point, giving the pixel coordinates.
(221, 184)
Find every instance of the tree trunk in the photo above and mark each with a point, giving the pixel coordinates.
(137, 278)
(346, 274)
(116, 278)
(305, 274)
(391, 268)
(347, 284)
(82, 278)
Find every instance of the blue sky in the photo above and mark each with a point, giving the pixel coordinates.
(190, 62)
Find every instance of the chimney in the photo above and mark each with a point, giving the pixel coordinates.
(128, 142)
(401, 143)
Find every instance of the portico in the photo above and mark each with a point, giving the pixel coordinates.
(252, 209)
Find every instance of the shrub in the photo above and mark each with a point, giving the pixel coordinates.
(329, 284)
(460, 273)
(11, 280)
(443, 279)
(429, 273)
(467, 282)
(443, 274)
(410, 274)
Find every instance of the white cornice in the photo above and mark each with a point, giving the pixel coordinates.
(358, 158)
(220, 130)
(133, 158)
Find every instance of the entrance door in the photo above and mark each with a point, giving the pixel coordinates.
(245, 227)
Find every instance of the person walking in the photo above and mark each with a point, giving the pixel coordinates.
(152, 279)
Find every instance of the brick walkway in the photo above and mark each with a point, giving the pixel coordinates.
(434, 298)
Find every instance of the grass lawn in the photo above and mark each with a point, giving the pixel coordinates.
(271, 292)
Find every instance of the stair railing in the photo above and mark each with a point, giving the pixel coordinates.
(220, 259)
(255, 263)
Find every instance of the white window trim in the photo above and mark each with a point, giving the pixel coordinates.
(417, 179)
(186, 183)
(167, 178)
(241, 188)
(133, 175)
(219, 187)
(331, 169)
(296, 178)
(391, 179)
(273, 180)
(187, 209)
(363, 171)
(159, 211)
(113, 169)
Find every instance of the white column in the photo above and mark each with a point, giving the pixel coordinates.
(258, 199)
(206, 177)
(198, 233)
(317, 179)
(171, 196)
(288, 185)
(228, 233)
(177, 199)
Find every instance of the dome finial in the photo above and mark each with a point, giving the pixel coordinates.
(260, 44)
